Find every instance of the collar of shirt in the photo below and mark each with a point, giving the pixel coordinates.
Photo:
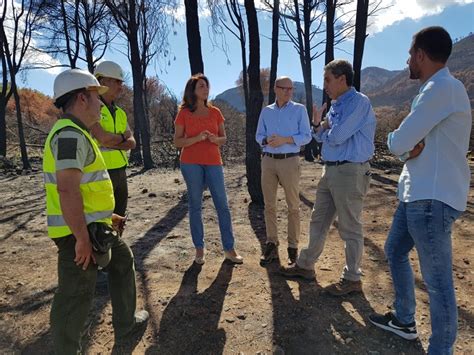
(344, 97)
(76, 120)
(275, 105)
(335, 113)
(439, 74)
(111, 107)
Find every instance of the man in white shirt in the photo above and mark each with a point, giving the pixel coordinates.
(433, 188)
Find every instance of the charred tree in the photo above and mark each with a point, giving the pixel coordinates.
(252, 156)
(274, 55)
(360, 36)
(194, 37)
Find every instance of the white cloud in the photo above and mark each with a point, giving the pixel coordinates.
(398, 10)
(33, 57)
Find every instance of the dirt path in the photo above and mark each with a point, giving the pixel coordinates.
(219, 308)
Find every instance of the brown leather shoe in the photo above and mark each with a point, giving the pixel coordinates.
(344, 287)
(295, 271)
(269, 255)
(292, 255)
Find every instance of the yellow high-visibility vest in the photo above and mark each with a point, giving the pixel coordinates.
(96, 187)
(114, 158)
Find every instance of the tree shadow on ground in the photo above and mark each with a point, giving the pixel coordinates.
(190, 322)
(306, 320)
(141, 249)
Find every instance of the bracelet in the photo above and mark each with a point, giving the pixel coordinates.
(123, 138)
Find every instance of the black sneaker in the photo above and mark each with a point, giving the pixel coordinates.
(270, 254)
(292, 255)
(389, 322)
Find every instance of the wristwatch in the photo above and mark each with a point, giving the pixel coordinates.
(315, 126)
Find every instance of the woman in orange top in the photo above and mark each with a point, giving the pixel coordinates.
(199, 131)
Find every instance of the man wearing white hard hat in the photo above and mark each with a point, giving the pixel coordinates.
(113, 135)
(81, 222)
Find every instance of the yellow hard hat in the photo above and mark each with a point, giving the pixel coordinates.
(109, 69)
(74, 79)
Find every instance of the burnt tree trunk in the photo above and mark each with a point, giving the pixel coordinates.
(5, 95)
(139, 105)
(359, 42)
(329, 53)
(252, 156)
(274, 58)
(194, 37)
(21, 133)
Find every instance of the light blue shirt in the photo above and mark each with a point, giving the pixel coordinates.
(289, 120)
(441, 115)
(351, 136)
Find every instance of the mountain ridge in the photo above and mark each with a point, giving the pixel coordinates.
(384, 87)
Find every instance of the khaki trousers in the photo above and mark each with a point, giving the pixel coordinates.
(341, 191)
(287, 173)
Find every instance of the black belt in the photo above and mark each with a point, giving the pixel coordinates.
(340, 162)
(336, 163)
(280, 156)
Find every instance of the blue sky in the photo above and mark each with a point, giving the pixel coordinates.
(386, 48)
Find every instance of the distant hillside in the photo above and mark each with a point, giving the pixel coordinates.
(235, 97)
(374, 77)
(400, 90)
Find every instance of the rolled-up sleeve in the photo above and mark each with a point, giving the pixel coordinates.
(432, 105)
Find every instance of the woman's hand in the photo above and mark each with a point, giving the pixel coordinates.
(213, 139)
(204, 135)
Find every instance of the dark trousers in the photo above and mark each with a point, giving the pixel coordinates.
(73, 298)
(119, 183)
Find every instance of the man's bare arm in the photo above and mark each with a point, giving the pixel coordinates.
(73, 212)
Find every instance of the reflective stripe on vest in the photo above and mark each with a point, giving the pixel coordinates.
(114, 158)
(95, 187)
(58, 221)
(50, 178)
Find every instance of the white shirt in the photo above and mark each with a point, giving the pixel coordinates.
(441, 115)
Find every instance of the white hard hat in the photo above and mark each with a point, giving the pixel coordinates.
(74, 79)
(109, 69)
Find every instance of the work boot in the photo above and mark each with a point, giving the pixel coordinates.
(270, 254)
(136, 332)
(292, 255)
(344, 287)
(295, 271)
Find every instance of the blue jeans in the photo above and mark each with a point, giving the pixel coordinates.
(197, 177)
(425, 225)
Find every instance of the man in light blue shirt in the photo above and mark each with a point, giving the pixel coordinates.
(283, 127)
(347, 135)
(433, 189)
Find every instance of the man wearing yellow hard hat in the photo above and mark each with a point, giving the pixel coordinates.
(113, 125)
(79, 196)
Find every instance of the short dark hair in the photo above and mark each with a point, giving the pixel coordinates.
(340, 67)
(435, 42)
(67, 100)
